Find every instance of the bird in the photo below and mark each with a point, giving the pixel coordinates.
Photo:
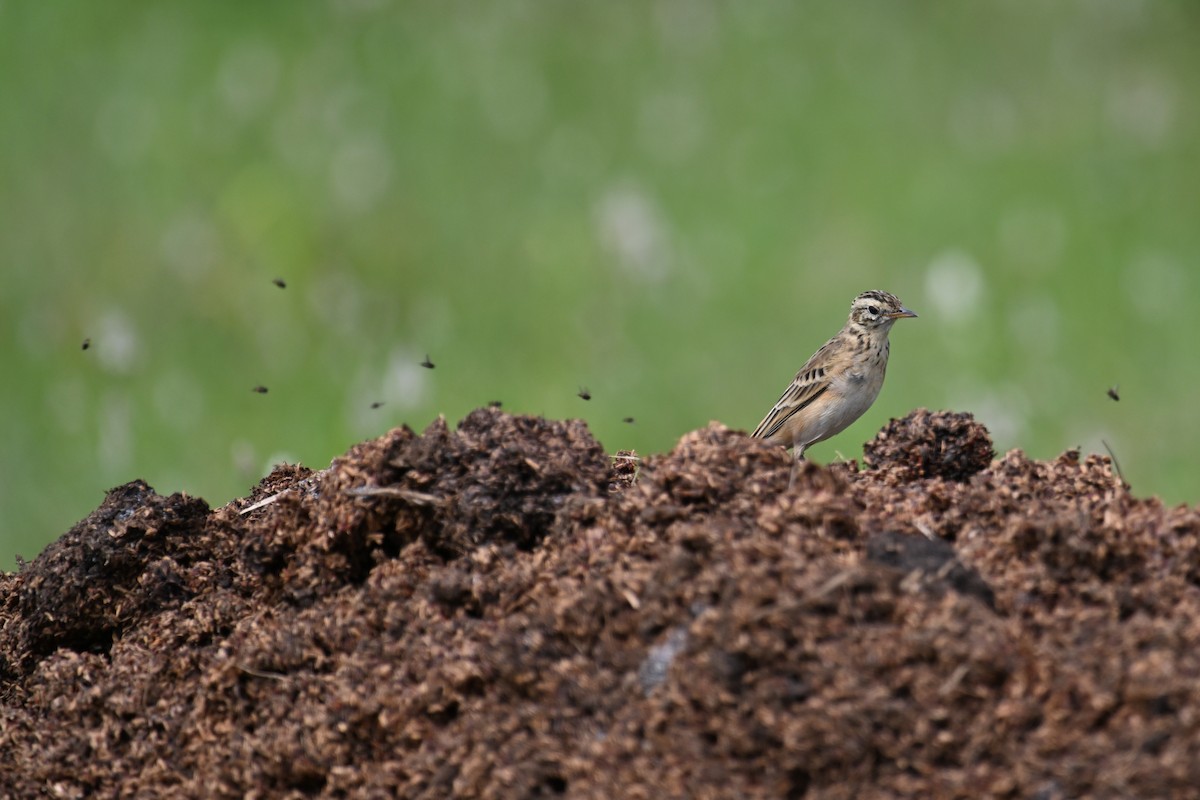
(840, 381)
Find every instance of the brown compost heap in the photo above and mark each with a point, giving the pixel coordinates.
(504, 611)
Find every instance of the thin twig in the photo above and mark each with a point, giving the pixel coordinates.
(924, 528)
(258, 673)
(262, 503)
(416, 498)
(1116, 464)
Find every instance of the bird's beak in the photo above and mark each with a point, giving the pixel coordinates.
(903, 312)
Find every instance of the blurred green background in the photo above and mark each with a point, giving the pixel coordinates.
(671, 203)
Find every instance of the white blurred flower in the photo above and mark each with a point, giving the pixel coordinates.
(116, 342)
(1003, 410)
(687, 25)
(114, 443)
(631, 228)
(954, 285)
(1154, 283)
(405, 381)
(360, 172)
(190, 245)
(983, 123)
(1143, 109)
(125, 127)
(247, 77)
(178, 399)
(671, 125)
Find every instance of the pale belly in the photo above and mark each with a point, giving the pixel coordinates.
(855, 395)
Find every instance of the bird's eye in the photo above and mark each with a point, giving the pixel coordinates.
(874, 310)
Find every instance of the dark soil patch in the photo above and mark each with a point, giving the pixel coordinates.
(503, 612)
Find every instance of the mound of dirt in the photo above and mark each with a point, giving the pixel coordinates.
(502, 611)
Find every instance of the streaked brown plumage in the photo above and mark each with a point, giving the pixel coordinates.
(841, 380)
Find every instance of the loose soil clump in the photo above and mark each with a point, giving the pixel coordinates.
(501, 611)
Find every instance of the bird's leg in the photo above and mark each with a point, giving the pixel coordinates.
(798, 452)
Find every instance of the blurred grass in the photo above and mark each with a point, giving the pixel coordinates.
(671, 203)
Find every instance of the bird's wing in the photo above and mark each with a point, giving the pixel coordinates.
(810, 382)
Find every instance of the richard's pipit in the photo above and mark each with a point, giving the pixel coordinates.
(841, 380)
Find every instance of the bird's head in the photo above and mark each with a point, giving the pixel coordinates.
(876, 310)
